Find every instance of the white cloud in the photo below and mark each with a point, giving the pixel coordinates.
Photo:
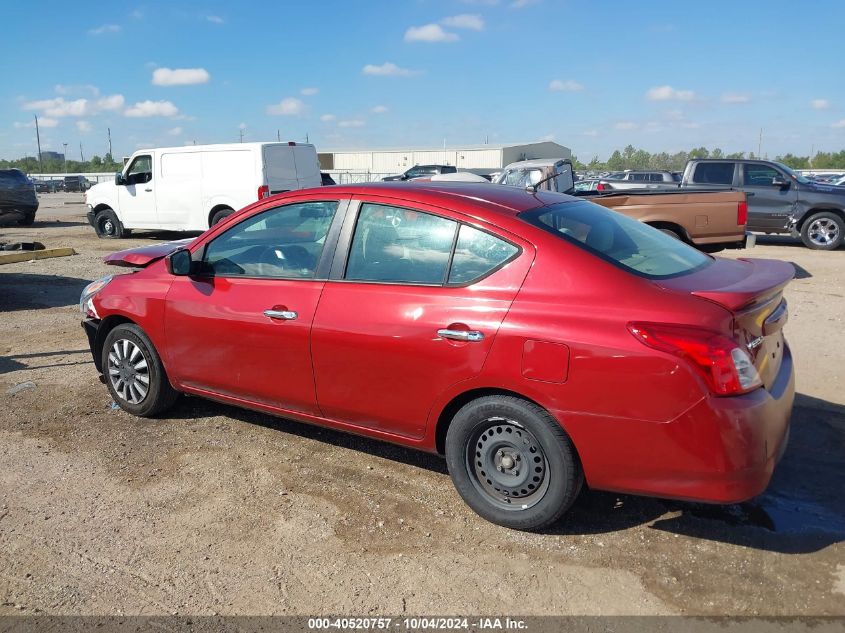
(62, 89)
(83, 126)
(668, 93)
(590, 132)
(327, 118)
(242, 126)
(730, 97)
(137, 14)
(180, 76)
(176, 131)
(471, 21)
(60, 107)
(148, 108)
(105, 28)
(839, 124)
(429, 33)
(215, 19)
(111, 102)
(626, 125)
(556, 85)
(42, 122)
(388, 69)
(309, 91)
(820, 104)
(351, 123)
(521, 4)
(379, 109)
(287, 107)
(674, 115)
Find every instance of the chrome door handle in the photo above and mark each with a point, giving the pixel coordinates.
(471, 336)
(285, 315)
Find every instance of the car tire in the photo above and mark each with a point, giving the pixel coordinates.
(672, 233)
(134, 374)
(108, 226)
(512, 462)
(823, 231)
(220, 215)
(28, 219)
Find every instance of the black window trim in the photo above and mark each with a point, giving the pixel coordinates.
(324, 263)
(152, 168)
(347, 233)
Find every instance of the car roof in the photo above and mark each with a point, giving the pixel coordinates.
(535, 162)
(501, 199)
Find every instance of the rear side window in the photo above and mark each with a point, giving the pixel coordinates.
(476, 254)
(626, 243)
(714, 173)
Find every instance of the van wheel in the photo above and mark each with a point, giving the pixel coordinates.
(28, 219)
(220, 215)
(108, 226)
(512, 462)
(823, 231)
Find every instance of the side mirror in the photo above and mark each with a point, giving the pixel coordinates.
(119, 179)
(179, 263)
(778, 181)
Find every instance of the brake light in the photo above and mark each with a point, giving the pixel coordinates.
(725, 366)
(742, 213)
(600, 187)
(263, 192)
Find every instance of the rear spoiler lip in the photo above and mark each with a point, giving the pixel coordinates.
(753, 289)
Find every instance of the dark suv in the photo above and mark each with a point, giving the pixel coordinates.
(423, 171)
(17, 197)
(77, 183)
(779, 200)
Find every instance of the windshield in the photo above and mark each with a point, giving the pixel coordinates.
(798, 177)
(626, 243)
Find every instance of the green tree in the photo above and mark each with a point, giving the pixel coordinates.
(616, 162)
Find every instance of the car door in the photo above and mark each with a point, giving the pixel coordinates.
(413, 305)
(241, 326)
(136, 198)
(769, 205)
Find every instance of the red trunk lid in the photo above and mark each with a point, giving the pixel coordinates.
(752, 290)
(143, 256)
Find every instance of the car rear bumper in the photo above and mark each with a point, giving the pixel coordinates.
(721, 450)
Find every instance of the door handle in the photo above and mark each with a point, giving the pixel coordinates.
(147, 189)
(284, 315)
(471, 336)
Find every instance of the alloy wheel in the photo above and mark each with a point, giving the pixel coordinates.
(823, 231)
(129, 371)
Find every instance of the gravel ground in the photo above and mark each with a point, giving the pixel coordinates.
(218, 510)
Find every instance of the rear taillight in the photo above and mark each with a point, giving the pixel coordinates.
(263, 192)
(600, 187)
(725, 366)
(742, 213)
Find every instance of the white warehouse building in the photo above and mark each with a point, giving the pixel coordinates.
(382, 162)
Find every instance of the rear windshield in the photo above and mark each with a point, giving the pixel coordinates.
(626, 243)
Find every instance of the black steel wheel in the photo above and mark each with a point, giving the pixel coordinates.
(107, 225)
(512, 462)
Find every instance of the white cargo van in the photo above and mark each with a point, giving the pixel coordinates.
(192, 188)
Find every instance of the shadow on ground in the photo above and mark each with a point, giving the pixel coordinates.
(802, 510)
(23, 291)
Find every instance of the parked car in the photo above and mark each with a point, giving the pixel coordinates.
(709, 220)
(194, 187)
(41, 186)
(76, 184)
(643, 180)
(18, 201)
(422, 171)
(587, 184)
(779, 200)
(482, 322)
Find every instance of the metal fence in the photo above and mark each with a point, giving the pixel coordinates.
(94, 177)
(346, 177)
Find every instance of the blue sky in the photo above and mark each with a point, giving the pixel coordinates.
(593, 76)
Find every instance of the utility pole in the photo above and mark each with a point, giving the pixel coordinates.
(278, 136)
(760, 145)
(242, 135)
(64, 157)
(81, 157)
(306, 137)
(110, 154)
(38, 138)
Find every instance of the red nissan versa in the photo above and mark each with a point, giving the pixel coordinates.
(537, 340)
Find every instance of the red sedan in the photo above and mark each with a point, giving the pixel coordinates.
(538, 341)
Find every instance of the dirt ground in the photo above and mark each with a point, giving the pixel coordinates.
(218, 510)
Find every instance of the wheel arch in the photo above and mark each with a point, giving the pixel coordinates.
(216, 208)
(671, 226)
(811, 212)
(444, 419)
(106, 326)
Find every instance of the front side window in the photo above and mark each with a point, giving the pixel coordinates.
(140, 171)
(282, 243)
(758, 175)
(626, 243)
(714, 173)
(399, 245)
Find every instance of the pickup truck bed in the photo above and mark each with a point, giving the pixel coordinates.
(711, 220)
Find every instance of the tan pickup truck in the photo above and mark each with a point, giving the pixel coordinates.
(709, 220)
